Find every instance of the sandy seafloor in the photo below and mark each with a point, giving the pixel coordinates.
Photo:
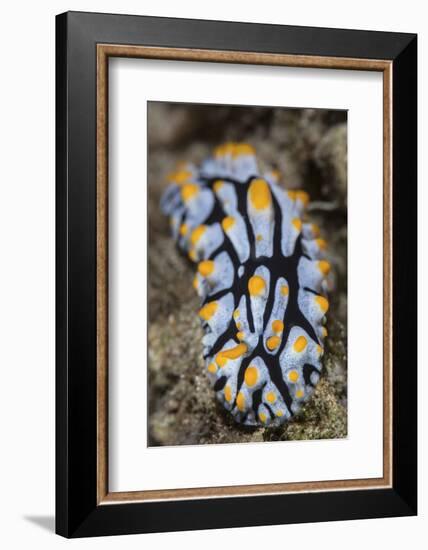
(309, 148)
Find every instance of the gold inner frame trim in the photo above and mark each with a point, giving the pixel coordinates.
(104, 51)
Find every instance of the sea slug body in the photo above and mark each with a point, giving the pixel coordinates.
(261, 275)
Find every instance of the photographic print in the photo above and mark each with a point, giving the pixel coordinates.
(247, 274)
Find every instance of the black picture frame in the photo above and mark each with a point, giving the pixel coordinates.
(78, 513)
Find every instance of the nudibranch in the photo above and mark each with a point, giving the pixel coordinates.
(262, 279)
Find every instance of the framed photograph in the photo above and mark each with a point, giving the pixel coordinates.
(236, 274)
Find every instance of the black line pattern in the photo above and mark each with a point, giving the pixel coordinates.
(262, 367)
